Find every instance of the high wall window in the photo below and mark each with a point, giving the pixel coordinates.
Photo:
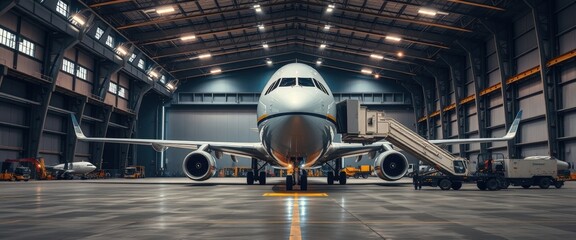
(113, 88)
(81, 72)
(7, 38)
(122, 92)
(26, 47)
(110, 41)
(99, 33)
(132, 57)
(141, 64)
(62, 8)
(68, 66)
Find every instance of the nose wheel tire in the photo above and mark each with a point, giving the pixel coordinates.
(342, 178)
(262, 178)
(250, 178)
(289, 183)
(304, 181)
(330, 178)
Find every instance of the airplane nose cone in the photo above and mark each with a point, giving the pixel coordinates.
(300, 103)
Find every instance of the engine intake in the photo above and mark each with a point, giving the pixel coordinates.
(199, 165)
(391, 165)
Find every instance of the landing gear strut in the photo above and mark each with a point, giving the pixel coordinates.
(336, 174)
(256, 174)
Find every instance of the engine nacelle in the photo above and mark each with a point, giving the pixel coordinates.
(199, 165)
(391, 165)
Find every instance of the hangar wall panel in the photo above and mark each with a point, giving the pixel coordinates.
(6, 56)
(532, 106)
(535, 150)
(570, 152)
(570, 124)
(533, 131)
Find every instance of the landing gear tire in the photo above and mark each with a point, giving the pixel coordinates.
(250, 178)
(342, 178)
(356, 176)
(525, 186)
(456, 185)
(481, 185)
(544, 183)
(262, 178)
(289, 183)
(304, 181)
(492, 184)
(558, 184)
(445, 184)
(330, 178)
(365, 175)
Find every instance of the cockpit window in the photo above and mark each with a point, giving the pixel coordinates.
(287, 82)
(321, 87)
(305, 82)
(272, 87)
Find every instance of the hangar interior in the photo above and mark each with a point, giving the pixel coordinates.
(194, 70)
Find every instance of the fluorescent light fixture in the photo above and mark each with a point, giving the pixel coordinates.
(166, 9)
(257, 8)
(377, 56)
(206, 55)
(319, 62)
(366, 71)
(170, 86)
(393, 38)
(322, 46)
(376, 75)
(153, 74)
(80, 20)
(216, 71)
(427, 11)
(187, 37)
(121, 50)
(327, 27)
(330, 8)
(261, 27)
(390, 59)
(400, 54)
(265, 45)
(268, 61)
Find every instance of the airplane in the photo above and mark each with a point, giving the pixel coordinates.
(296, 116)
(67, 170)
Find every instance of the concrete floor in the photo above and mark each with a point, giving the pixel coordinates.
(225, 208)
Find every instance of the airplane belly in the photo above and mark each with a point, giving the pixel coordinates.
(294, 137)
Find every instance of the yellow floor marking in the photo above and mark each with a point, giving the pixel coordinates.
(295, 194)
(295, 233)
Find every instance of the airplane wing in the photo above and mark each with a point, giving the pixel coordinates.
(509, 136)
(254, 149)
(338, 150)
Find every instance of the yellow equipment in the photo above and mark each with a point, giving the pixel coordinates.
(19, 174)
(361, 171)
(134, 172)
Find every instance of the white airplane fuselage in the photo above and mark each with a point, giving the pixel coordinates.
(296, 116)
(76, 167)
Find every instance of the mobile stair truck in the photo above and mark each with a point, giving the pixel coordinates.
(372, 126)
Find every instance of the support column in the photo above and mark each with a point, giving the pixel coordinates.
(543, 17)
(428, 91)
(3, 72)
(97, 149)
(417, 100)
(441, 79)
(503, 44)
(475, 56)
(458, 75)
(136, 97)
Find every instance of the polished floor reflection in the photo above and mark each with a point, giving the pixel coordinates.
(227, 209)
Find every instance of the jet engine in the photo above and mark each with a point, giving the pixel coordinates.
(199, 165)
(391, 165)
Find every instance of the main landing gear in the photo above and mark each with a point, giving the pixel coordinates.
(291, 180)
(256, 174)
(340, 176)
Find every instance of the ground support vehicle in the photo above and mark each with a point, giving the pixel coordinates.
(363, 171)
(134, 172)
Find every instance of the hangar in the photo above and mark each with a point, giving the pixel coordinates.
(196, 70)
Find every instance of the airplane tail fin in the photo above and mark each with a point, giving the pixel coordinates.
(77, 129)
(514, 127)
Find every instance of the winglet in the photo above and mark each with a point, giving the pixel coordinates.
(514, 127)
(77, 129)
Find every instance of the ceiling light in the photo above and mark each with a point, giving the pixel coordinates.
(400, 54)
(376, 75)
(330, 8)
(427, 11)
(153, 74)
(319, 62)
(268, 61)
(78, 19)
(216, 71)
(206, 55)
(170, 86)
(257, 8)
(390, 59)
(366, 71)
(121, 50)
(393, 38)
(261, 27)
(322, 46)
(165, 10)
(327, 27)
(265, 45)
(187, 38)
(376, 56)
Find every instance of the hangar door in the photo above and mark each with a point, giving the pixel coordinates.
(208, 123)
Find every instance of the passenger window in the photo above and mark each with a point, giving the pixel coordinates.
(321, 87)
(287, 82)
(305, 82)
(272, 87)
